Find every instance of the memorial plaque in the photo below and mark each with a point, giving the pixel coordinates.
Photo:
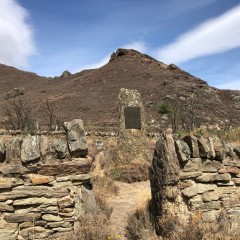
(132, 117)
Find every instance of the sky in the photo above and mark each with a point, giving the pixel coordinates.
(50, 36)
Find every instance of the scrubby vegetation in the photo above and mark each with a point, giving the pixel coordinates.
(140, 227)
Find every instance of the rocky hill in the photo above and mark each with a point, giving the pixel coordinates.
(92, 94)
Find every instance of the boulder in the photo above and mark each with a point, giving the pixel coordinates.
(65, 202)
(30, 149)
(4, 207)
(19, 218)
(5, 183)
(198, 189)
(219, 149)
(37, 179)
(183, 151)
(204, 151)
(51, 218)
(192, 142)
(187, 175)
(194, 164)
(229, 150)
(61, 148)
(35, 201)
(214, 177)
(76, 138)
(34, 232)
(8, 231)
(237, 151)
(2, 152)
(211, 153)
(210, 166)
(210, 196)
(33, 191)
(88, 199)
(77, 166)
(12, 169)
(232, 170)
(13, 150)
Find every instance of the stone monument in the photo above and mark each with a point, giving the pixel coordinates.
(132, 135)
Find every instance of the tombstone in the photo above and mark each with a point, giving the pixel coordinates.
(131, 144)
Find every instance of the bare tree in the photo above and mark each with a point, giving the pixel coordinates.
(19, 116)
(48, 110)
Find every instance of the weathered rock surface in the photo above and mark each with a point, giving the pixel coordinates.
(61, 148)
(30, 149)
(12, 169)
(33, 191)
(204, 151)
(13, 150)
(81, 165)
(194, 164)
(76, 138)
(2, 152)
(37, 179)
(219, 149)
(198, 189)
(8, 231)
(15, 218)
(211, 166)
(183, 151)
(213, 177)
(5, 184)
(192, 142)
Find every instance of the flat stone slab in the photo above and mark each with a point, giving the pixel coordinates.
(19, 218)
(81, 165)
(33, 191)
(198, 189)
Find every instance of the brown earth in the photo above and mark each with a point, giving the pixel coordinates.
(92, 94)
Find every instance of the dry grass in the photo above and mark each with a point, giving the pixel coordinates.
(172, 228)
(132, 172)
(231, 135)
(139, 226)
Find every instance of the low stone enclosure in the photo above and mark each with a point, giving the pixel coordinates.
(195, 176)
(45, 184)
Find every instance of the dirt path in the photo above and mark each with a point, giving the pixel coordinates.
(129, 198)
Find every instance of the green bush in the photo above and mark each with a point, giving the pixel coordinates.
(164, 108)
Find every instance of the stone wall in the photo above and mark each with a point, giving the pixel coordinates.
(45, 184)
(195, 175)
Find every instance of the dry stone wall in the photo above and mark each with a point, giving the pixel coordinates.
(45, 183)
(195, 175)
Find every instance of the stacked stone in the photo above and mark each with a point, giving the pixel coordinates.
(209, 176)
(44, 183)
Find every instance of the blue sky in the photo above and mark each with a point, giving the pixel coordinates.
(50, 36)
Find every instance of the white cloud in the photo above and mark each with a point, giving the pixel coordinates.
(16, 35)
(95, 65)
(136, 45)
(216, 35)
(234, 85)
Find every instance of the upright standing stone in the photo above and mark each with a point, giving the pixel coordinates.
(164, 178)
(132, 135)
(76, 138)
